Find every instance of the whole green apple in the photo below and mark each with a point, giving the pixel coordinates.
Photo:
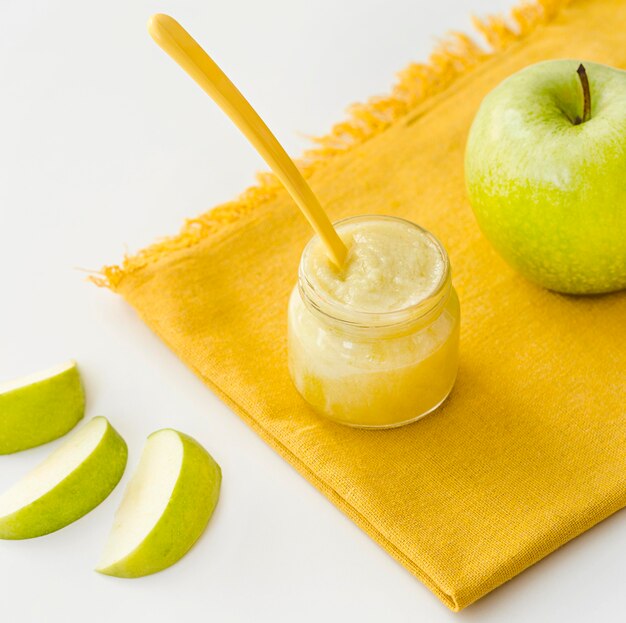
(545, 168)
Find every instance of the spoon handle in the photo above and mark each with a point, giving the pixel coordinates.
(181, 46)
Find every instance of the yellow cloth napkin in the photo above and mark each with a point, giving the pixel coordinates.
(530, 449)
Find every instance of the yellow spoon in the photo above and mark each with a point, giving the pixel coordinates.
(181, 46)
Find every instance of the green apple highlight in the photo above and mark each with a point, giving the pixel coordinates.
(165, 507)
(545, 169)
(73, 480)
(39, 408)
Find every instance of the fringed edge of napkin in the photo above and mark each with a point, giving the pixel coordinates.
(454, 57)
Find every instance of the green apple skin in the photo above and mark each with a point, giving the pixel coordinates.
(40, 412)
(550, 195)
(76, 495)
(188, 512)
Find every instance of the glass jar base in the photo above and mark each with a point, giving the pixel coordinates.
(394, 425)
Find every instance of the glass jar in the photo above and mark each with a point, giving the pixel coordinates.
(370, 369)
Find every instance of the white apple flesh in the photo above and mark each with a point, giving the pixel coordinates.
(38, 408)
(165, 507)
(72, 481)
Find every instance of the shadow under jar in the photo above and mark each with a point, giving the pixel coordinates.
(375, 344)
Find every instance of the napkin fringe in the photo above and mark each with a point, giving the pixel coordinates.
(453, 57)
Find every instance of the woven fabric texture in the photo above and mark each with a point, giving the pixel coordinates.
(530, 449)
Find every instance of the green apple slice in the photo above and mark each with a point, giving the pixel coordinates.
(39, 408)
(73, 480)
(165, 507)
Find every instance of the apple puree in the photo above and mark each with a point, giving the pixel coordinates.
(391, 265)
(375, 343)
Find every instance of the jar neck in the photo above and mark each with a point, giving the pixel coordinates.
(371, 324)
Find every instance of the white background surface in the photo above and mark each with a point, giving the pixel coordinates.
(105, 143)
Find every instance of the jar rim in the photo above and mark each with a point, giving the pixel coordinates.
(335, 311)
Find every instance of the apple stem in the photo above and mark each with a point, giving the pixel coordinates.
(584, 81)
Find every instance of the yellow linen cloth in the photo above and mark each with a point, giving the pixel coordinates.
(530, 449)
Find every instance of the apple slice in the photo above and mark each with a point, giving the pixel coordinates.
(39, 408)
(165, 507)
(73, 480)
